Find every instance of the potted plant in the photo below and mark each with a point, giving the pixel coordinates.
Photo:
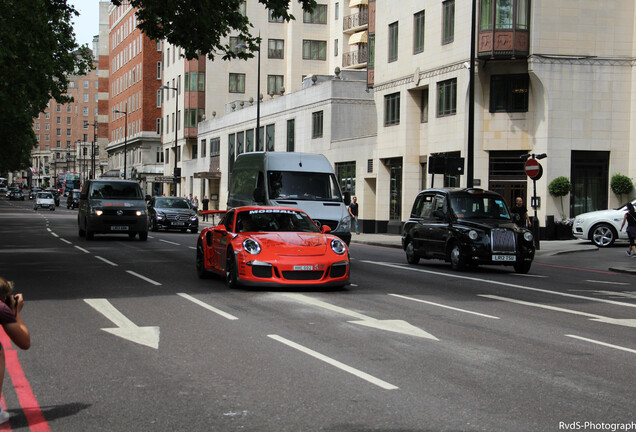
(621, 185)
(560, 187)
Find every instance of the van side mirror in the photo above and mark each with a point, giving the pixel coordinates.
(259, 195)
(347, 198)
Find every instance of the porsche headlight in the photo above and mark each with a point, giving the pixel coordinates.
(338, 246)
(472, 234)
(527, 236)
(251, 246)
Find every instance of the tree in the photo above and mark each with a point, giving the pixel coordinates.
(560, 187)
(621, 185)
(38, 51)
(201, 27)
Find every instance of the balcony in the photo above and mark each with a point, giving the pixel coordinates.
(356, 22)
(504, 30)
(356, 59)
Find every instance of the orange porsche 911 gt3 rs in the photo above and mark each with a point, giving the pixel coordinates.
(272, 246)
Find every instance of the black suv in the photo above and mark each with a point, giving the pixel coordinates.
(466, 227)
(172, 213)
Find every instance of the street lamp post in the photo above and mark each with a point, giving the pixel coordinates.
(125, 113)
(176, 173)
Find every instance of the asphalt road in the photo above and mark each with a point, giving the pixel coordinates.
(403, 348)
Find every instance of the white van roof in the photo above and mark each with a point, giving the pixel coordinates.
(285, 161)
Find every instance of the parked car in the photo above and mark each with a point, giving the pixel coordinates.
(112, 207)
(466, 227)
(601, 227)
(56, 195)
(44, 200)
(72, 201)
(172, 213)
(272, 246)
(16, 194)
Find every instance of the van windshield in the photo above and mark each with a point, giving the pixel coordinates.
(116, 190)
(303, 186)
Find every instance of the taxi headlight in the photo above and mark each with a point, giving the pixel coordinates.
(251, 246)
(472, 234)
(338, 246)
(527, 236)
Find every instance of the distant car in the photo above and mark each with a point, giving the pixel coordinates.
(272, 246)
(601, 227)
(3, 190)
(34, 192)
(16, 194)
(44, 200)
(56, 195)
(466, 227)
(172, 213)
(72, 201)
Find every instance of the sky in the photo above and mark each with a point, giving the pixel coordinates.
(86, 25)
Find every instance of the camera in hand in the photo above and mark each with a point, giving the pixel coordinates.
(8, 300)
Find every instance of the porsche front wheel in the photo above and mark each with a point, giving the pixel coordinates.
(231, 271)
(202, 272)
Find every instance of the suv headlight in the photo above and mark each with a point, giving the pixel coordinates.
(338, 246)
(251, 246)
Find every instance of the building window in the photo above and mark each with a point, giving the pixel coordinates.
(203, 147)
(317, 16)
(249, 140)
(314, 50)
(58, 120)
(418, 32)
(291, 131)
(424, 106)
(215, 146)
(234, 42)
(158, 70)
(240, 143)
(274, 84)
(85, 84)
(447, 97)
(159, 129)
(86, 97)
(509, 93)
(393, 41)
(337, 11)
(273, 19)
(195, 151)
(335, 47)
(194, 81)
(269, 137)
(448, 24)
(346, 174)
(316, 124)
(237, 83)
(392, 109)
(275, 48)
(159, 98)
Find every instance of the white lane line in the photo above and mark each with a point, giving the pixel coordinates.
(54, 235)
(444, 306)
(48, 229)
(618, 347)
(172, 243)
(492, 282)
(607, 282)
(65, 241)
(192, 247)
(207, 306)
(142, 277)
(106, 261)
(529, 275)
(373, 380)
(82, 249)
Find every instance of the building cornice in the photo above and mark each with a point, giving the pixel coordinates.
(581, 60)
(418, 75)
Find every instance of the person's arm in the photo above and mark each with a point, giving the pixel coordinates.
(350, 212)
(528, 221)
(624, 220)
(17, 331)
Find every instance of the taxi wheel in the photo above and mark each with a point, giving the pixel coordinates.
(411, 256)
(457, 261)
(231, 277)
(522, 267)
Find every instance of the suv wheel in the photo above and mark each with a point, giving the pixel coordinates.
(603, 235)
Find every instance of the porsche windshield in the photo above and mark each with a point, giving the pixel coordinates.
(479, 207)
(274, 220)
(303, 186)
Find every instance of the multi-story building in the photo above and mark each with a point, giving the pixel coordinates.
(134, 110)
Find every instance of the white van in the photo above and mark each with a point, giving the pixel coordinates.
(302, 180)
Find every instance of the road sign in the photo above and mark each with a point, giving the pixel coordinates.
(533, 169)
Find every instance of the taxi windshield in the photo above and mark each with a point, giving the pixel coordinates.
(479, 207)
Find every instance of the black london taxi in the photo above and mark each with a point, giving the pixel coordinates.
(466, 227)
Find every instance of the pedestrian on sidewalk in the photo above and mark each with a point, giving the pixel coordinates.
(353, 211)
(520, 214)
(195, 203)
(13, 326)
(205, 202)
(630, 218)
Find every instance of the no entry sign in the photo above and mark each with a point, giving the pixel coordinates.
(533, 169)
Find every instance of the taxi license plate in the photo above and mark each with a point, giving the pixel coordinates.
(119, 228)
(303, 267)
(510, 258)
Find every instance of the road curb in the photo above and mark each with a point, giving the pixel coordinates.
(628, 270)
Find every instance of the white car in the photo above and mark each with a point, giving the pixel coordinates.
(44, 200)
(602, 227)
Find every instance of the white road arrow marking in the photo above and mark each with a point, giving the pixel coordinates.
(622, 322)
(397, 326)
(148, 336)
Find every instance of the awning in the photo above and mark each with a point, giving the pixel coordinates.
(358, 38)
(356, 3)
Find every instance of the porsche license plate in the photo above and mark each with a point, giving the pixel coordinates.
(303, 267)
(119, 228)
(508, 258)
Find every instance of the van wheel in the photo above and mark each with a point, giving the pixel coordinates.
(143, 236)
(90, 235)
(131, 235)
(411, 256)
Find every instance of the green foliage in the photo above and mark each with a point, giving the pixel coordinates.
(621, 185)
(560, 187)
(38, 51)
(199, 27)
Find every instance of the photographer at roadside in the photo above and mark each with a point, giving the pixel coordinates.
(13, 326)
